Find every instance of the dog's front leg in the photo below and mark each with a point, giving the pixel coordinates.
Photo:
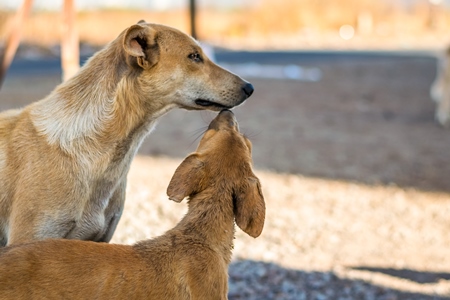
(114, 211)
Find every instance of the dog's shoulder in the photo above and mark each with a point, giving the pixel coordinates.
(8, 116)
(8, 119)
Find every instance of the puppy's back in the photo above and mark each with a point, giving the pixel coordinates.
(26, 270)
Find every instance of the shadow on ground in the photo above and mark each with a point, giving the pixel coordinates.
(411, 275)
(268, 281)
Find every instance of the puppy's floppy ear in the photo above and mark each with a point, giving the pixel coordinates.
(249, 207)
(187, 178)
(140, 42)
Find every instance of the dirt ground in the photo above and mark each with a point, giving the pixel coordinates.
(355, 172)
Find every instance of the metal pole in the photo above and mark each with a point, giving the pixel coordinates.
(70, 52)
(14, 39)
(192, 10)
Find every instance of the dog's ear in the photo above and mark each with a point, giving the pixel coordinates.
(249, 207)
(187, 178)
(140, 42)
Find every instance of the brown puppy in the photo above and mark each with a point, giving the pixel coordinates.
(189, 261)
(64, 160)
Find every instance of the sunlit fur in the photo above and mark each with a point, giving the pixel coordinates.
(64, 159)
(189, 261)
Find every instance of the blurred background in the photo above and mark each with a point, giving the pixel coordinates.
(355, 169)
(254, 24)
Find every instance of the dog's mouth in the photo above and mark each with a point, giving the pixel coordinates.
(210, 104)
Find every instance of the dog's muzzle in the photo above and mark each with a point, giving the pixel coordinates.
(248, 89)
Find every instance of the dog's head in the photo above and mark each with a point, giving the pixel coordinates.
(223, 161)
(172, 67)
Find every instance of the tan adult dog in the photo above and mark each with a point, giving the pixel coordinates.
(440, 90)
(64, 160)
(189, 261)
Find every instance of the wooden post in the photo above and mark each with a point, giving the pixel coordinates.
(70, 53)
(13, 39)
(192, 10)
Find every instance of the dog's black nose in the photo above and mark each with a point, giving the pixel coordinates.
(248, 89)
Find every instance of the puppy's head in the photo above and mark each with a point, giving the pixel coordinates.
(172, 67)
(223, 161)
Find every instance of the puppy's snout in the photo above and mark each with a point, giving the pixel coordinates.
(248, 89)
(225, 119)
(226, 112)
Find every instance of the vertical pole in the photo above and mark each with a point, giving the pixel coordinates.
(13, 39)
(70, 53)
(192, 10)
(433, 13)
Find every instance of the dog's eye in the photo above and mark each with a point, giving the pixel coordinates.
(195, 57)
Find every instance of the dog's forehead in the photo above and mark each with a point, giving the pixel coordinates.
(167, 34)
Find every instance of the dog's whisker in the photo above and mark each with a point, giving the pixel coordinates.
(197, 135)
(252, 134)
(198, 132)
(203, 114)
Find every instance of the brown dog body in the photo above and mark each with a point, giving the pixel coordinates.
(190, 261)
(64, 159)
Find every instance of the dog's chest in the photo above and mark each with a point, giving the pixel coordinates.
(103, 206)
(102, 194)
(107, 194)
(107, 188)
(121, 156)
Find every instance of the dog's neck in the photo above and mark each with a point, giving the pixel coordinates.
(100, 74)
(100, 106)
(210, 219)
